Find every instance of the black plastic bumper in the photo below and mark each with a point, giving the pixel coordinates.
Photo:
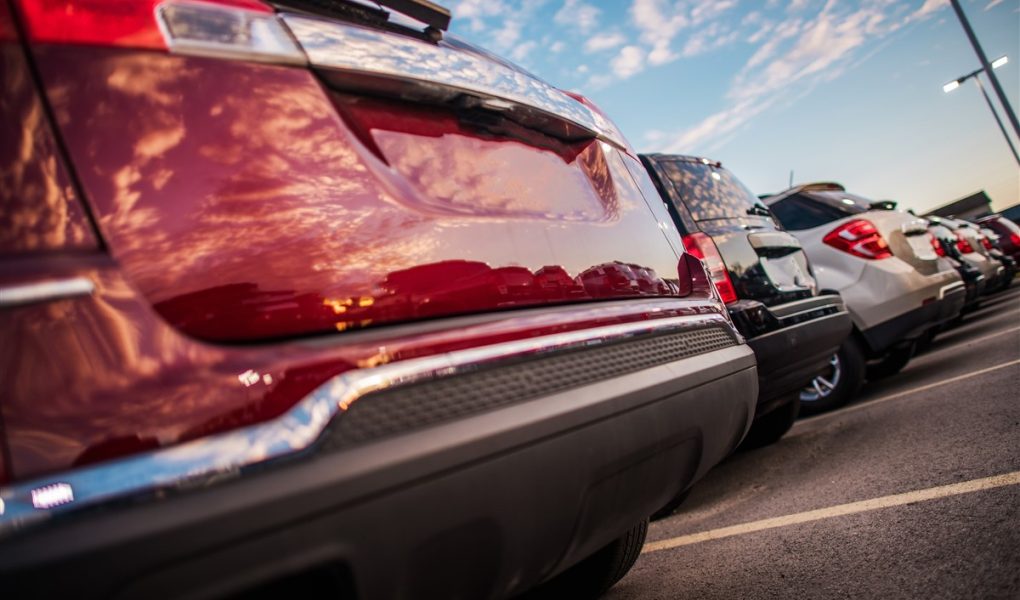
(803, 336)
(481, 507)
(913, 324)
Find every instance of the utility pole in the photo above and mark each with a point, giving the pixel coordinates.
(986, 66)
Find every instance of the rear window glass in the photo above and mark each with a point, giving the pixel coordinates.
(797, 212)
(710, 192)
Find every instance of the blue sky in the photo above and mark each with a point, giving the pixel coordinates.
(834, 90)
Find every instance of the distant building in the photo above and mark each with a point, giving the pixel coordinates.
(972, 207)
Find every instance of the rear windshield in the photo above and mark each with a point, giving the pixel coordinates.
(803, 211)
(711, 192)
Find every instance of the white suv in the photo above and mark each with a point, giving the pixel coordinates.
(883, 263)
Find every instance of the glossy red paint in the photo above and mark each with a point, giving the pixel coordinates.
(129, 23)
(39, 210)
(97, 377)
(254, 210)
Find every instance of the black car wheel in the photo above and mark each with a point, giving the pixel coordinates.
(839, 383)
(769, 428)
(594, 575)
(892, 363)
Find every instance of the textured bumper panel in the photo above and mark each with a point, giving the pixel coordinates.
(405, 408)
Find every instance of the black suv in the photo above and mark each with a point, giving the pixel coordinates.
(762, 275)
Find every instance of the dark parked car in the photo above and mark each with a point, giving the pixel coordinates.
(1012, 213)
(294, 292)
(762, 275)
(1008, 232)
(947, 245)
(974, 247)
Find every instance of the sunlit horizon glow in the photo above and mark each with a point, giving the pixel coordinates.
(803, 90)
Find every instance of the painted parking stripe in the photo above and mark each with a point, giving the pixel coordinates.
(898, 395)
(956, 345)
(943, 491)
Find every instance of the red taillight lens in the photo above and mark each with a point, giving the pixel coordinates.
(860, 238)
(987, 243)
(937, 245)
(962, 244)
(97, 22)
(1014, 238)
(246, 29)
(702, 246)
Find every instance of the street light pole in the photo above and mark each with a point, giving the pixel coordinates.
(987, 67)
(995, 114)
(976, 76)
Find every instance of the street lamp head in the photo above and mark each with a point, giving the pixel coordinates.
(998, 62)
(952, 85)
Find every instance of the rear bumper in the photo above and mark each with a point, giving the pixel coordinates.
(484, 506)
(912, 324)
(805, 335)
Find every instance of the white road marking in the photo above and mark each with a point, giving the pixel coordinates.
(974, 341)
(942, 491)
(898, 395)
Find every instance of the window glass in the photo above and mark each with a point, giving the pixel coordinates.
(711, 192)
(796, 213)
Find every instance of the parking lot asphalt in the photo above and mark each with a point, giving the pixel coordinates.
(911, 491)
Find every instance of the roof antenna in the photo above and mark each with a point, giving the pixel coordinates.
(791, 179)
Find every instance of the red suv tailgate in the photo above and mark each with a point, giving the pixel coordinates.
(251, 201)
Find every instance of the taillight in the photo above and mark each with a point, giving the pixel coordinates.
(962, 244)
(987, 243)
(1014, 238)
(860, 238)
(702, 246)
(246, 29)
(937, 245)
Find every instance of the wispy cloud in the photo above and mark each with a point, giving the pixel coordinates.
(604, 41)
(629, 61)
(579, 14)
(797, 55)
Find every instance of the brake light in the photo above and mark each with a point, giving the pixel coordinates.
(987, 243)
(937, 245)
(860, 238)
(962, 244)
(1014, 238)
(221, 28)
(702, 247)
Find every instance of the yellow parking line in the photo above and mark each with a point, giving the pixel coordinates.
(943, 491)
(897, 395)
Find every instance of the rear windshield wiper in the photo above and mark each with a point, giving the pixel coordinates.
(431, 14)
(882, 205)
(757, 209)
(437, 18)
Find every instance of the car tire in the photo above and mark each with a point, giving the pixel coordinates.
(892, 363)
(845, 378)
(593, 576)
(770, 428)
(672, 507)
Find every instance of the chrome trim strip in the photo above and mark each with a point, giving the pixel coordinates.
(949, 288)
(199, 462)
(348, 47)
(45, 291)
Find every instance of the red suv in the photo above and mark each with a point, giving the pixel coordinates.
(298, 290)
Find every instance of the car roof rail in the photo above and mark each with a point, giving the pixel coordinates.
(822, 186)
